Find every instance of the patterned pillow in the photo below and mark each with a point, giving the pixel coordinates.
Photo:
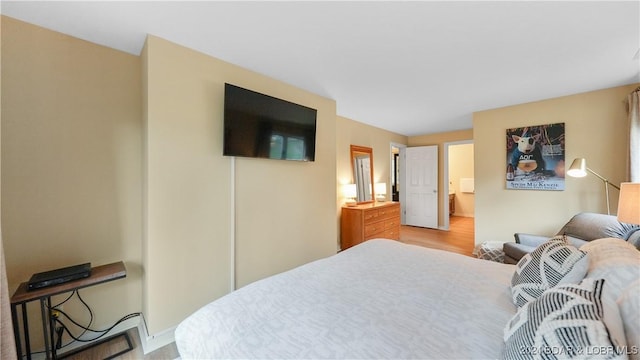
(629, 303)
(552, 263)
(614, 260)
(618, 262)
(565, 322)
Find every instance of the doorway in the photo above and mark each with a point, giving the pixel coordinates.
(394, 178)
(459, 233)
(458, 184)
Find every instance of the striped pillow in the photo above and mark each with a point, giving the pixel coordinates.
(565, 322)
(552, 263)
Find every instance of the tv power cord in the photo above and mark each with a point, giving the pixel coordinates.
(56, 313)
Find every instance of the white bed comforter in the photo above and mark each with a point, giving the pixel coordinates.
(380, 299)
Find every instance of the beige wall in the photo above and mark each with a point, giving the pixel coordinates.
(351, 132)
(73, 148)
(284, 210)
(441, 139)
(71, 160)
(461, 166)
(596, 129)
(7, 347)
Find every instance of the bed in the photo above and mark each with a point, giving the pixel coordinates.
(383, 299)
(380, 299)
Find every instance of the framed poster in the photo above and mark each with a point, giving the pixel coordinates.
(535, 157)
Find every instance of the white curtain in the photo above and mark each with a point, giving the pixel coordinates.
(633, 101)
(7, 342)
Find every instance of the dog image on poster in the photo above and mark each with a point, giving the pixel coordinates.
(535, 157)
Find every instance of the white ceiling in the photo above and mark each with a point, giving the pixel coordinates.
(409, 67)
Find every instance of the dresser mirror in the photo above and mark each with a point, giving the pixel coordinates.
(362, 165)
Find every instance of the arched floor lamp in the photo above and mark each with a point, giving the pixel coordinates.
(579, 168)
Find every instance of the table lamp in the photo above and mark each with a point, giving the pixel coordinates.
(381, 191)
(629, 203)
(350, 192)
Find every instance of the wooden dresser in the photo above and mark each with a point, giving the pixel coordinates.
(369, 221)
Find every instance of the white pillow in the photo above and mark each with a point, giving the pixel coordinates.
(629, 306)
(552, 263)
(615, 260)
(618, 262)
(564, 322)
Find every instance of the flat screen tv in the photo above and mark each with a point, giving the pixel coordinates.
(261, 126)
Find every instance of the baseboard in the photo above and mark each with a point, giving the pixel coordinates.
(154, 342)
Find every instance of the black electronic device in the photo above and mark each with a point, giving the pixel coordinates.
(262, 126)
(59, 276)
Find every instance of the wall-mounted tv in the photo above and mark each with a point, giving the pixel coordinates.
(261, 126)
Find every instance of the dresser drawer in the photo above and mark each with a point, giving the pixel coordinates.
(371, 216)
(389, 212)
(374, 228)
(392, 223)
(392, 234)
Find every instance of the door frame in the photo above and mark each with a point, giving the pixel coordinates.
(391, 161)
(445, 182)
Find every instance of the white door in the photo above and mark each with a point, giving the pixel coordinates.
(421, 186)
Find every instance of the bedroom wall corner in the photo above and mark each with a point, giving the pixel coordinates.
(144, 198)
(595, 127)
(186, 218)
(351, 132)
(70, 165)
(284, 210)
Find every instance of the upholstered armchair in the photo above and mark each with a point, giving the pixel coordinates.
(581, 228)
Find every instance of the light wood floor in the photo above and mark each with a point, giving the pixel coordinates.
(459, 239)
(109, 348)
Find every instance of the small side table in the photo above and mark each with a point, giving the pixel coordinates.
(22, 296)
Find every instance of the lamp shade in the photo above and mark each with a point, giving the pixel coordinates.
(578, 168)
(380, 188)
(629, 203)
(349, 191)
